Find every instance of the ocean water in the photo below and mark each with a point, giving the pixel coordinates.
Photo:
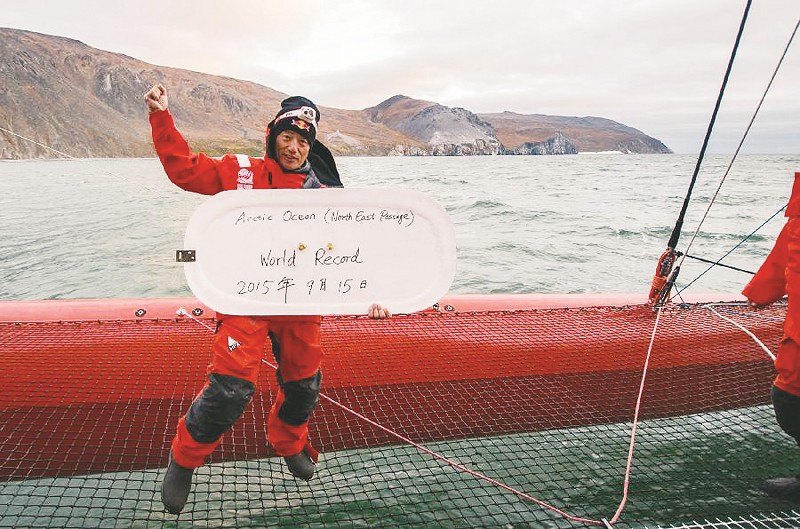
(571, 224)
(591, 223)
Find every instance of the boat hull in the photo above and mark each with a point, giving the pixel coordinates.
(98, 386)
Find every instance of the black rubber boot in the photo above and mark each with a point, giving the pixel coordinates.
(783, 488)
(176, 486)
(301, 466)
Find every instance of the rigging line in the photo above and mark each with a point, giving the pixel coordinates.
(711, 306)
(182, 312)
(459, 466)
(635, 424)
(145, 186)
(718, 263)
(39, 144)
(676, 231)
(744, 136)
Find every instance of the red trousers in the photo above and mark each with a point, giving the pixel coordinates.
(237, 353)
(787, 361)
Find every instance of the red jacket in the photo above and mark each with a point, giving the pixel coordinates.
(779, 275)
(200, 173)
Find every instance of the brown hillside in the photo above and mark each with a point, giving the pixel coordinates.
(85, 102)
(588, 134)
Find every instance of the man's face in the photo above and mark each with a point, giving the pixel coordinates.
(292, 150)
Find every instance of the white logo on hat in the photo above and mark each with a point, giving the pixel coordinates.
(307, 114)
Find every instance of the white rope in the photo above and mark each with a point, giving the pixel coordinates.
(68, 156)
(182, 312)
(635, 424)
(711, 306)
(39, 144)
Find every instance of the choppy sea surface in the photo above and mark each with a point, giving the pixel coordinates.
(591, 223)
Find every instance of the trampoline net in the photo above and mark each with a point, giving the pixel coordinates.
(518, 418)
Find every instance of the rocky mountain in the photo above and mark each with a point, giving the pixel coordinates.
(58, 95)
(443, 130)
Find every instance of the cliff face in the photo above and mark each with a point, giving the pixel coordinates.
(444, 130)
(586, 134)
(62, 94)
(558, 144)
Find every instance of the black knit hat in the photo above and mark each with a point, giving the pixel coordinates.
(297, 114)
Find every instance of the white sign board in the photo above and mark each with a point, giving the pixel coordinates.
(319, 251)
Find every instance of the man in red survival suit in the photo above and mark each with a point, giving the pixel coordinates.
(779, 275)
(294, 160)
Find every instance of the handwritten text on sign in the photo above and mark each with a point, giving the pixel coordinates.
(331, 216)
(319, 254)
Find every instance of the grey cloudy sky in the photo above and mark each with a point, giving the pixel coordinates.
(656, 65)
